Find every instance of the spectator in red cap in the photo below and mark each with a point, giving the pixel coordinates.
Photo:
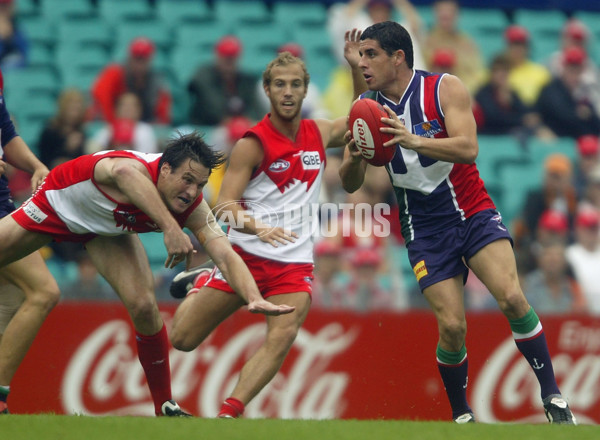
(526, 77)
(565, 104)
(584, 256)
(443, 60)
(137, 76)
(127, 131)
(220, 89)
(312, 107)
(587, 147)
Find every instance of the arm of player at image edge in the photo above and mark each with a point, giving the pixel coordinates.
(18, 154)
(353, 168)
(204, 226)
(130, 177)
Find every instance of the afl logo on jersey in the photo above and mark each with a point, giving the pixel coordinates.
(311, 160)
(279, 165)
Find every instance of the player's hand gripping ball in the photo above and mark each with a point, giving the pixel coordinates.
(365, 122)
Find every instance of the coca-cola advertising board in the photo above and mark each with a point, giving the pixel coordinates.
(342, 365)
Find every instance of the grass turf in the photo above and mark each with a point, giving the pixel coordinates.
(50, 427)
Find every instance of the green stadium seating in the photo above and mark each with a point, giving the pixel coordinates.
(294, 14)
(31, 82)
(174, 12)
(154, 29)
(86, 32)
(478, 20)
(239, 11)
(72, 55)
(202, 36)
(57, 9)
(27, 8)
(186, 59)
(540, 22)
(38, 30)
(118, 10)
(40, 56)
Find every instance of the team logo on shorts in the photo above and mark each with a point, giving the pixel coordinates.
(498, 219)
(34, 212)
(420, 270)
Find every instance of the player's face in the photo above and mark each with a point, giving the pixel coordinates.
(286, 91)
(377, 66)
(180, 187)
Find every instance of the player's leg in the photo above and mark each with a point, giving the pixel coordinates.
(264, 364)
(122, 261)
(11, 298)
(31, 276)
(446, 300)
(495, 266)
(199, 314)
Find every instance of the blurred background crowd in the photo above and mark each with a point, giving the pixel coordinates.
(86, 75)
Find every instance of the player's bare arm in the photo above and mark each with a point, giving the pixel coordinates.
(238, 276)
(246, 156)
(128, 181)
(332, 132)
(18, 154)
(353, 167)
(461, 144)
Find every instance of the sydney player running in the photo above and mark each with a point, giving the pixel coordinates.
(445, 212)
(104, 200)
(278, 164)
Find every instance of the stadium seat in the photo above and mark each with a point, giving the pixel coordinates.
(30, 82)
(518, 181)
(40, 56)
(38, 30)
(117, 10)
(256, 38)
(27, 8)
(495, 152)
(480, 20)
(174, 12)
(155, 248)
(186, 59)
(154, 29)
(69, 55)
(540, 22)
(238, 11)
(294, 14)
(86, 31)
(54, 10)
(202, 37)
(539, 149)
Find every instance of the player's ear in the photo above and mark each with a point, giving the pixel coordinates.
(399, 56)
(165, 169)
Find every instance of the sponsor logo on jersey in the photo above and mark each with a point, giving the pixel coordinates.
(279, 165)
(311, 160)
(124, 219)
(34, 212)
(428, 128)
(420, 270)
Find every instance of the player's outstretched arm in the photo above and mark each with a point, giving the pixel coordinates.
(240, 279)
(18, 154)
(353, 167)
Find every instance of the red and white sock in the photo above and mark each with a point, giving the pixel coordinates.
(231, 408)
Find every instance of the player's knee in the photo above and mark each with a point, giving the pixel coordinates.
(45, 297)
(282, 338)
(453, 331)
(513, 304)
(142, 310)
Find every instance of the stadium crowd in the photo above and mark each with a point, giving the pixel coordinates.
(144, 84)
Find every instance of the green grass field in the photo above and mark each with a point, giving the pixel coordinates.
(34, 427)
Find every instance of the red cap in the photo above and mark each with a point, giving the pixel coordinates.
(327, 247)
(587, 218)
(588, 145)
(366, 257)
(516, 34)
(237, 127)
(576, 30)
(293, 48)
(444, 58)
(122, 132)
(141, 47)
(229, 46)
(574, 55)
(554, 221)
